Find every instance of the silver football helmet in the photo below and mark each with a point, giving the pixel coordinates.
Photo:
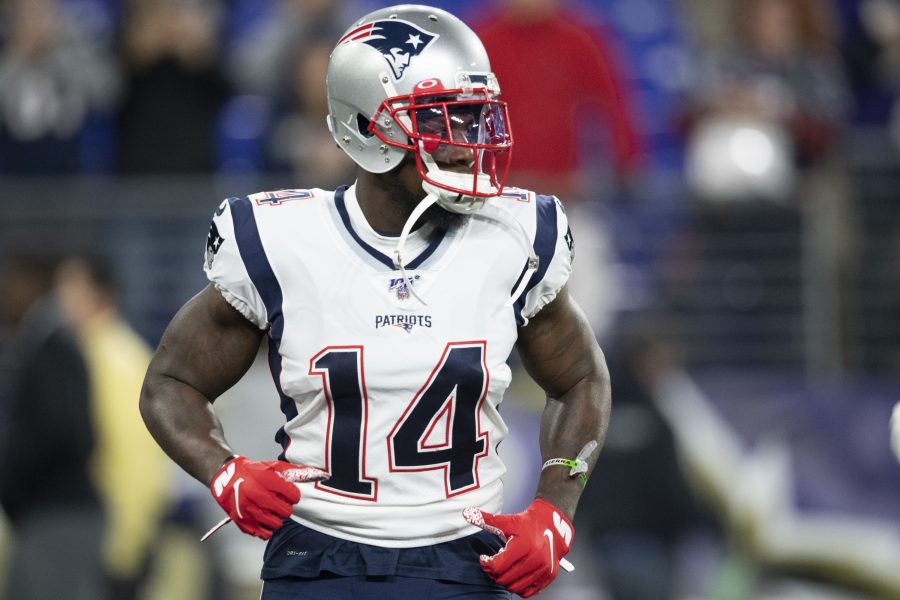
(415, 79)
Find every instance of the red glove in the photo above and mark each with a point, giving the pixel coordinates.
(258, 495)
(535, 542)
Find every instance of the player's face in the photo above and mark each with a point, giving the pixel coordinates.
(463, 123)
(459, 139)
(468, 123)
(454, 133)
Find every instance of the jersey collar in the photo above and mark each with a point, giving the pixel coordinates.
(424, 241)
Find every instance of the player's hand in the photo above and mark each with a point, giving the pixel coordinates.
(258, 495)
(535, 542)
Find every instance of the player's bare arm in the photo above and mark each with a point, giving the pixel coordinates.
(560, 352)
(205, 350)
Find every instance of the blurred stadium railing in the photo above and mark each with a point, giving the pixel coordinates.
(745, 285)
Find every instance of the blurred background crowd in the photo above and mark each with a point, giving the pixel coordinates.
(729, 168)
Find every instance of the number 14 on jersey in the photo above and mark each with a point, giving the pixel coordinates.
(440, 428)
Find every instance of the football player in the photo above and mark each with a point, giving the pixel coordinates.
(391, 307)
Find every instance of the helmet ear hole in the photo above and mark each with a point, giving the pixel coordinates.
(363, 124)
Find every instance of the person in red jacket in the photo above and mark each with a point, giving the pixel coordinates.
(562, 83)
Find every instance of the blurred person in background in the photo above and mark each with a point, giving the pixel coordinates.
(765, 154)
(259, 60)
(563, 85)
(128, 466)
(174, 88)
(52, 78)
(296, 141)
(271, 61)
(645, 510)
(46, 487)
(770, 104)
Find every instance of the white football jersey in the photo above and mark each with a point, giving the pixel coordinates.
(395, 398)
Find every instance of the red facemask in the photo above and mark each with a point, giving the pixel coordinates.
(450, 130)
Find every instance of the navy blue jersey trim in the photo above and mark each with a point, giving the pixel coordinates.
(256, 262)
(381, 257)
(544, 246)
(288, 406)
(436, 238)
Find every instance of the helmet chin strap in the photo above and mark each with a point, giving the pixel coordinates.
(434, 195)
(414, 216)
(455, 202)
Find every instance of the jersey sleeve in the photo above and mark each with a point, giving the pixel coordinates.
(555, 249)
(225, 268)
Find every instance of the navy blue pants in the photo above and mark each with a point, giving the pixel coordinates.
(303, 564)
(362, 587)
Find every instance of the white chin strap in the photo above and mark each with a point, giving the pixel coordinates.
(420, 208)
(454, 201)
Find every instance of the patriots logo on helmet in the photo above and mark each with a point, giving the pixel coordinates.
(398, 41)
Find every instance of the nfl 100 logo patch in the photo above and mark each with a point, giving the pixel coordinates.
(399, 286)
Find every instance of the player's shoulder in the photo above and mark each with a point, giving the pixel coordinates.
(515, 198)
(530, 207)
(270, 210)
